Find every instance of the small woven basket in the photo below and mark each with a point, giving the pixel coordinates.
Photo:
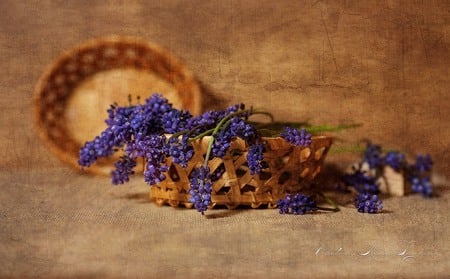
(73, 94)
(289, 168)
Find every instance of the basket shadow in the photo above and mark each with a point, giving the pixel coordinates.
(139, 197)
(222, 214)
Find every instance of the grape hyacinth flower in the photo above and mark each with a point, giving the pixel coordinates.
(423, 163)
(147, 118)
(101, 146)
(422, 186)
(155, 157)
(255, 158)
(395, 160)
(419, 175)
(295, 137)
(368, 203)
(119, 124)
(296, 204)
(208, 120)
(200, 189)
(222, 143)
(234, 128)
(175, 121)
(124, 168)
(373, 156)
(362, 182)
(180, 150)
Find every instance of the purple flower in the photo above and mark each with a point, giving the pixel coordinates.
(368, 203)
(147, 118)
(422, 185)
(180, 150)
(200, 189)
(153, 150)
(255, 158)
(220, 145)
(240, 128)
(234, 128)
(124, 124)
(372, 156)
(423, 163)
(295, 137)
(362, 182)
(296, 204)
(114, 136)
(418, 175)
(175, 121)
(395, 160)
(204, 122)
(120, 123)
(124, 168)
(101, 146)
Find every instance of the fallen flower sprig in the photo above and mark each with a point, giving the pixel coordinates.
(365, 176)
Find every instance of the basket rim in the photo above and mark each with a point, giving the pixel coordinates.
(193, 98)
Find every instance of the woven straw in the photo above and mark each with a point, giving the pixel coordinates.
(289, 168)
(73, 94)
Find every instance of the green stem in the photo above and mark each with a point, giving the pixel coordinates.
(179, 134)
(216, 130)
(205, 133)
(330, 202)
(328, 209)
(326, 128)
(278, 127)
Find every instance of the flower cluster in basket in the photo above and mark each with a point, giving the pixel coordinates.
(156, 131)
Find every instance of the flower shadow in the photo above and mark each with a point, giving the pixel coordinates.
(440, 190)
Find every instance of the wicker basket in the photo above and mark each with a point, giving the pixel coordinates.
(72, 95)
(289, 168)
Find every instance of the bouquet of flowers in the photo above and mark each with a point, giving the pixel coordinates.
(157, 132)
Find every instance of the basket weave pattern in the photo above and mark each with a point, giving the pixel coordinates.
(289, 167)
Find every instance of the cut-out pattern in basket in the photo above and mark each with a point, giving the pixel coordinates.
(287, 168)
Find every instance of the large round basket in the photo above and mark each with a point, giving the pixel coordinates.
(73, 94)
(289, 169)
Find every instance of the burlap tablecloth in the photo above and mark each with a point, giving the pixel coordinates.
(384, 64)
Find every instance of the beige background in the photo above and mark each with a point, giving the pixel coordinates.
(381, 63)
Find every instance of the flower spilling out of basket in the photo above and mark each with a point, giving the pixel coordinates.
(221, 157)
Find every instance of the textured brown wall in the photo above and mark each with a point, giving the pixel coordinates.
(381, 63)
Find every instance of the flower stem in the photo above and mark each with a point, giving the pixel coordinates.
(328, 209)
(205, 133)
(334, 205)
(216, 130)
